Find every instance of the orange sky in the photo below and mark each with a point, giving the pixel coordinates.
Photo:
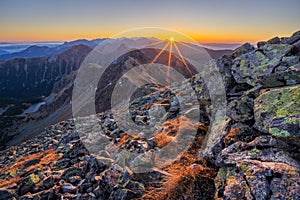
(232, 21)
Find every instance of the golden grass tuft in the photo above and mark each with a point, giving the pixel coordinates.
(123, 139)
(162, 139)
(46, 158)
(185, 174)
(181, 180)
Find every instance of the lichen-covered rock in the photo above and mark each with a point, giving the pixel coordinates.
(293, 39)
(262, 62)
(240, 109)
(279, 79)
(276, 51)
(277, 112)
(245, 48)
(240, 132)
(275, 40)
(249, 172)
(215, 141)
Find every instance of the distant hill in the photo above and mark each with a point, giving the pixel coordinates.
(29, 77)
(40, 51)
(3, 52)
(215, 54)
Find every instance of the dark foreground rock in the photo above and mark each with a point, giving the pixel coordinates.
(257, 148)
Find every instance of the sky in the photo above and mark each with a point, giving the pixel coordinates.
(221, 21)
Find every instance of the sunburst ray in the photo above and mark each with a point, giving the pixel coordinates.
(161, 51)
(170, 58)
(183, 60)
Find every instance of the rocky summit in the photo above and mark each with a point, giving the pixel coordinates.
(253, 152)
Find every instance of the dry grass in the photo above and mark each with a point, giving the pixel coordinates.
(9, 181)
(162, 139)
(185, 174)
(181, 179)
(46, 158)
(123, 140)
(230, 136)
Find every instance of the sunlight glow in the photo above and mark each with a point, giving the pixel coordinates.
(169, 45)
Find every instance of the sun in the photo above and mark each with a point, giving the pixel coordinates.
(169, 45)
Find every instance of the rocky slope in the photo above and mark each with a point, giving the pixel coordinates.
(253, 153)
(26, 81)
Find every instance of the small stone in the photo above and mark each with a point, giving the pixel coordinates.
(48, 182)
(68, 188)
(74, 179)
(31, 162)
(4, 194)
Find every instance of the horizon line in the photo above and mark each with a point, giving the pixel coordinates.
(71, 40)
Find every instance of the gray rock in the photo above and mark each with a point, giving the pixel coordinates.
(277, 112)
(5, 194)
(240, 109)
(68, 188)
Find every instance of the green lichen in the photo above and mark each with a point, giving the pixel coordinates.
(262, 69)
(261, 57)
(293, 120)
(253, 152)
(279, 133)
(277, 103)
(245, 169)
(223, 173)
(242, 64)
(278, 49)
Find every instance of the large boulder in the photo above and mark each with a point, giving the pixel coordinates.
(261, 62)
(259, 169)
(278, 112)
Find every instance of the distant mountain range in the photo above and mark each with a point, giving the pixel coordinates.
(3, 52)
(27, 50)
(221, 46)
(39, 51)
